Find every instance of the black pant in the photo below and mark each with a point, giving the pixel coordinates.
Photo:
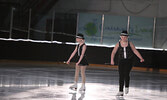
(124, 67)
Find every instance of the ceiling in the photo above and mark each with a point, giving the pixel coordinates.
(39, 7)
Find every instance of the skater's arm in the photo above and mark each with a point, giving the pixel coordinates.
(136, 52)
(72, 55)
(82, 54)
(113, 53)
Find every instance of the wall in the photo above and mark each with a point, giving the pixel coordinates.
(153, 8)
(147, 8)
(60, 52)
(162, 8)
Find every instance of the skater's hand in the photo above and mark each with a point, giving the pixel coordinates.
(112, 62)
(77, 63)
(142, 60)
(68, 62)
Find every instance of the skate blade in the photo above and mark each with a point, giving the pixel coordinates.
(74, 89)
(82, 90)
(119, 95)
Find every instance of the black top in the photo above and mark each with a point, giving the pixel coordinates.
(79, 49)
(125, 52)
(84, 61)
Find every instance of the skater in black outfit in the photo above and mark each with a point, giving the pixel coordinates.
(126, 51)
(81, 64)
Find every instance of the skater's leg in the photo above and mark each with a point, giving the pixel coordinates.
(83, 68)
(121, 76)
(127, 73)
(74, 86)
(77, 68)
(127, 76)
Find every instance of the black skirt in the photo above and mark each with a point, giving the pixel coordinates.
(83, 62)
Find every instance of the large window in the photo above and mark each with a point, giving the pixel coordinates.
(113, 25)
(90, 26)
(98, 29)
(141, 31)
(161, 33)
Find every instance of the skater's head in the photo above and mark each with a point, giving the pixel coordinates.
(80, 38)
(124, 35)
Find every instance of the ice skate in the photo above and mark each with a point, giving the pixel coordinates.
(73, 87)
(82, 88)
(120, 94)
(126, 90)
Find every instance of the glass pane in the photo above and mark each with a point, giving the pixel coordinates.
(141, 31)
(20, 23)
(38, 25)
(5, 15)
(65, 27)
(113, 26)
(161, 33)
(90, 26)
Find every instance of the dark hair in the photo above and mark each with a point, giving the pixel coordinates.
(124, 33)
(81, 36)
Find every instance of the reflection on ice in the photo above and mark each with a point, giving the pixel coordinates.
(52, 83)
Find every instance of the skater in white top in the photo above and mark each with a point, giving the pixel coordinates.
(81, 64)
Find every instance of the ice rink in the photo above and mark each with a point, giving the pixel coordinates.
(19, 81)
